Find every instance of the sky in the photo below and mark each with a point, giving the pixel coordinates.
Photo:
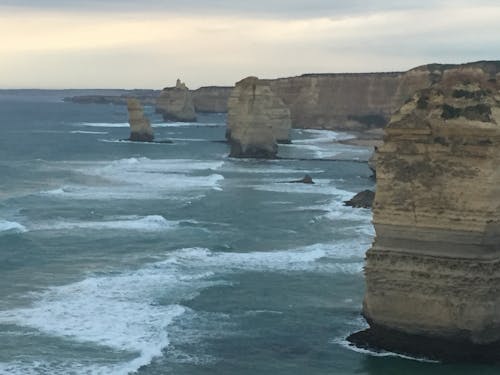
(151, 43)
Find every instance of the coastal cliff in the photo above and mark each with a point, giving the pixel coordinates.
(433, 272)
(211, 98)
(257, 119)
(140, 127)
(176, 103)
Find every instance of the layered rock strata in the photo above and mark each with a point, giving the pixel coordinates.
(257, 119)
(140, 127)
(433, 272)
(176, 103)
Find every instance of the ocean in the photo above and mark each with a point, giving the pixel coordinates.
(119, 257)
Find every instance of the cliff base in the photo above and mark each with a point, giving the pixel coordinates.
(378, 338)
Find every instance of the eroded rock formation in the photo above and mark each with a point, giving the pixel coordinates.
(257, 119)
(433, 272)
(140, 127)
(176, 103)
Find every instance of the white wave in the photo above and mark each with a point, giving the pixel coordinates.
(320, 186)
(342, 257)
(382, 353)
(187, 124)
(134, 312)
(239, 167)
(86, 132)
(120, 312)
(143, 178)
(105, 124)
(151, 223)
(322, 136)
(134, 142)
(11, 227)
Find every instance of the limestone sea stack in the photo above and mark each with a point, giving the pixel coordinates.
(140, 127)
(433, 272)
(257, 119)
(176, 103)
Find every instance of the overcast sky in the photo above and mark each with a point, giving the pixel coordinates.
(149, 43)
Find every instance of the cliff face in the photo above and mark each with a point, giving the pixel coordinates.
(176, 103)
(256, 120)
(211, 98)
(434, 268)
(140, 128)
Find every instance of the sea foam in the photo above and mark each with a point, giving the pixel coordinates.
(11, 227)
(151, 223)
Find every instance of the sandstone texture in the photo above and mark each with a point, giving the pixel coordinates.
(211, 98)
(257, 119)
(176, 103)
(140, 127)
(433, 272)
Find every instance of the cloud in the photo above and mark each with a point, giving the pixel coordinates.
(85, 48)
(260, 8)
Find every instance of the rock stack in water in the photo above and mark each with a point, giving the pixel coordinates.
(433, 272)
(176, 103)
(257, 119)
(140, 128)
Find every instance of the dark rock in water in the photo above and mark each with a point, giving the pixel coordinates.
(304, 180)
(379, 339)
(252, 151)
(372, 162)
(363, 199)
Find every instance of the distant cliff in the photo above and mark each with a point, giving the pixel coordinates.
(205, 99)
(433, 272)
(211, 98)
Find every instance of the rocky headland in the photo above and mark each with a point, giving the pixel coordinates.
(257, 119)
(433, 271)
(176, 103)
(140, 127)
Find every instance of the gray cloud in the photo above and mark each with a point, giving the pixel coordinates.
(262, 8)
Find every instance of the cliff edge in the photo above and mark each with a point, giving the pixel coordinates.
(433, 272)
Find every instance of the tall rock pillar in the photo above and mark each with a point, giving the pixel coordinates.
(257, 119)
(433, 272)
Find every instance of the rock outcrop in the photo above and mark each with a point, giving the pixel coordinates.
(140, 127)
(304, 180)
(176, 103)
(433, 272)
(257, 119)
(364, 199)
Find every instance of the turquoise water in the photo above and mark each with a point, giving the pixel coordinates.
(119, 257)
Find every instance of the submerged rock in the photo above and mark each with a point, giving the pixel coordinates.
(433, 272)
(363, 199)
(304, 180)
(257, 119)
(140, 127)
(176, 103)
